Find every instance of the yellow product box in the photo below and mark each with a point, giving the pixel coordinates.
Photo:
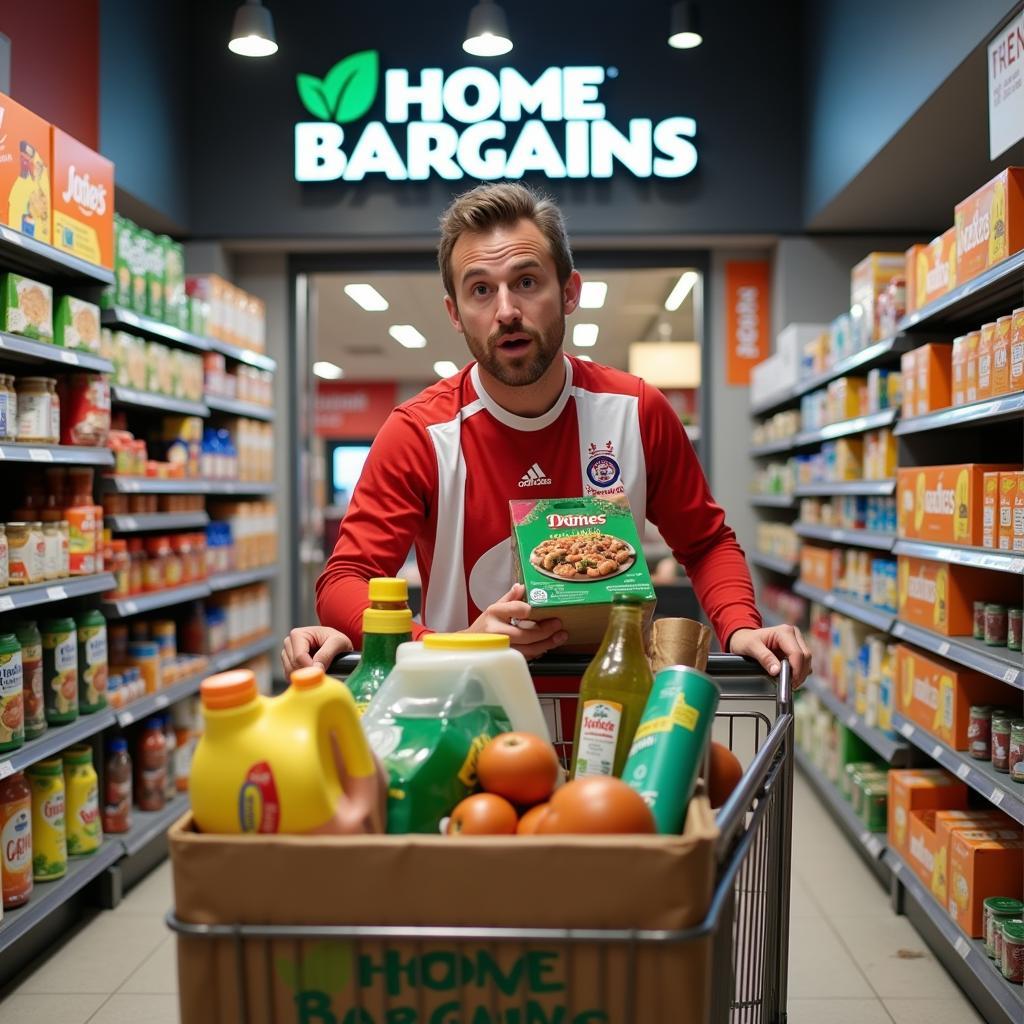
(1017, 350)
(986, 344)
(959, 370)
(919, 789)
(868, 280)
(939, 272)
(25, 194)
(880, 455)
(933, 364)
(990, 224)
(937, 695)
(943, 504)
(1008, 487)
(846, 398)
(990, 511)
(849, 458)
(971, 371)
(1001, 357)
(1017, 543)
(908, 372)
(948, 822)
(83, 201)
(915, 270)
(816, 566)
(982, 863)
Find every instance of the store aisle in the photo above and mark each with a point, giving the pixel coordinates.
(851, 960)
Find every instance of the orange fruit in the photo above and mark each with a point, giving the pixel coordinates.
(724, 773)
(596, 805)
(520, 766)
(483, 814)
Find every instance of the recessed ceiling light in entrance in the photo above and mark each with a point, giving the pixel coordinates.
(407, 335)
(367, 296)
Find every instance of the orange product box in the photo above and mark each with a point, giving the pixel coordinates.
(83, 201)
(923, 848)
(941, 597)
(1017, 544)
(943, 504)
(986, 344)
(959, 369)
(1001, 357)
(934, 389)
(940, 274)
(990, 224)
(868, 280)
(25, 193)
(937, 695)
(990, 511)
(908, 375)
(816, 566)
(948, 822)
(1017, 350)
(918, 789)
(973, 340)
(1008, 487)
(982, 863)
(915, 271)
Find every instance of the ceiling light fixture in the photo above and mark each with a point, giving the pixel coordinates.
(328, 371)
(487, 31)
(407, 335)
(593, 294)
(683, 30)
(445, 368)
(682, 288)
(367, 296)
(585, 335)
(252, 34)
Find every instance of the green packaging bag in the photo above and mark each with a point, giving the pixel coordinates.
(27, 308)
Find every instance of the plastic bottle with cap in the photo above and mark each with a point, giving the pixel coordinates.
(387, 623)
(297, 763)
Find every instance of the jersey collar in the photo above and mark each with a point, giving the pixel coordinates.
(523, 422)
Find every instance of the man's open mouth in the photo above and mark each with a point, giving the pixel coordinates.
(514, 344)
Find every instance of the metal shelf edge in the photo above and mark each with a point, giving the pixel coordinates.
(844, 428)
(237, 408)
(125, 607)
(838, 535)
(56, 454)
(241, 578)
(976, 414)
(50, 260)
(980, 558)
(160, 403)
(962, 653)
(47, 352)
(878, 618)
(128, 319)
(55, 590)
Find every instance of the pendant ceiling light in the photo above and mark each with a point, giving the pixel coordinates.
(252, 34)
(487, 32)
(684, 32)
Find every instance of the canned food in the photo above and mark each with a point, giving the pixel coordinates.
(1001, 722)
(995, 910)
(1012, 964)
(979, 620)
(1017, 749)
(875, 812)
(1014, 628)
(979, 732)
(995, 625)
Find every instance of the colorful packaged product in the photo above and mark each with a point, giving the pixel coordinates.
(25, 198)
(83, 201)
(990, 224)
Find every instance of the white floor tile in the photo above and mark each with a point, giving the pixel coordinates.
(124, 1009)
(800, 903)
(38, 1008)
(157, 974)
(933, 1011)
(152, 896)
(819, 966)
(837, 1011)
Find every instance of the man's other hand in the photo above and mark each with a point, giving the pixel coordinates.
(313, 644)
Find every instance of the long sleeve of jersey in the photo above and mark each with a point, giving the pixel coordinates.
(693, 525)
(391, 508)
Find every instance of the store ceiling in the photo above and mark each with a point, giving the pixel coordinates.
(358, 341)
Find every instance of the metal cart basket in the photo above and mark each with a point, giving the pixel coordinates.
(746, 926)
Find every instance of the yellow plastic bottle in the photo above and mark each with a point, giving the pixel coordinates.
(297, 763)
(49, 844)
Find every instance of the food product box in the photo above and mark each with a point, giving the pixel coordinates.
(933, 364)
(959, 369)
(908, 371)
(941, 597)
(435, 881)
(990, 511)
(937, 695)
(816, 566)
(948, 822)
(941, 275)
(573, 555)
(76, 324)
(1017, 350)
(1017, 543)
(849, 458)
(990, 224)
(986, 344)
(1007, 499)
(175, 312)
(25, 195)
(923, 848)
(915, 270)
(83, 201)
(973, 340)
(868, 280)
(943, 504)
(27, 308)
(982, 864)
(847, 397)
(1001, 357)
(916, 789)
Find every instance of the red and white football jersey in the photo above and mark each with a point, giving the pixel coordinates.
(445, 465)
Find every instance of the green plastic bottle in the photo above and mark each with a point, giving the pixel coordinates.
(32, 671)
(386, 624)
(60, 670)
(12, 701)
(92, 661)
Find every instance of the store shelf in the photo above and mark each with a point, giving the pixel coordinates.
(891, 748)
(127, 320)
(24, 350)
(996, 291)
(154, 702)
(14, 598)
(54, 740)
(148, 825)
(780, 565)
(977, 414)
(867, 488)
(879, 354)
(954, 946)
(774, 447)
(237, 655)
(56, 454)
(154, 485)
(242, 578)
(772, 501)
(25, 255)
(238, 487)
(879, 618)
(157, 521)
(837, 535)
(242, 355)
(978, 558)
(997, 662)
(996, 787)
(123, 607)
(233, 406)
(845, 428)
(156, 403)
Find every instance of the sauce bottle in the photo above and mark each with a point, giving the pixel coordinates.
(81, 787)
(613, 693)
(32, 678)
(16, 840)
(12, 697)
(81, 516)
(386, 624)
(49, 846)
(91, 628)
(117, 793)
(151, 766)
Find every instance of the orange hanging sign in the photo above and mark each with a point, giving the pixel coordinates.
(747, 318)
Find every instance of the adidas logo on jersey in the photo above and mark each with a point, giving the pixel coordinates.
(534, 477)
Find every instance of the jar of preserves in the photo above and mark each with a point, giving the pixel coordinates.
(65, 548)
(35, 407)
(51, 551)
(1001, 741)
(32, 678)
(120, 566)
(1014, 628)
(979, 732)
(1012, 964)
(979, 620)
(995, 910)
(20, 560)
(995, 625)
(1016, 748)
(38, 551)
(136, 563)
(174, 569)
(158, 550)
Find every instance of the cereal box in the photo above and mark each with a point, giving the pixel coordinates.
(1007, 497)
(985, 347)
(924, 847)
(990, 511)
(982, 863)
(83, 201)
(971, 373)
(959, 368)
(1017, 350)
(574, 555)
(25, 196)
(939, 269)
(937, 695)
(933, 390)
(175, 300)
(76, 324)
(1001, 357)
(1017, 544)
(915, 790)
(27, 308)
(915, 269)
(908, 372)
(816, 566)
(868, 280)
(948, 822)
(990, 224)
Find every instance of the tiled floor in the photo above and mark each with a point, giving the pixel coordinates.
(851, 960)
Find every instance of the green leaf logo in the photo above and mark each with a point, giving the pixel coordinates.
(346, 92)
(326, 966)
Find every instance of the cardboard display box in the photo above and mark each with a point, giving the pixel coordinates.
(1017, 350)
(818, 566)
(948, 822)
(83, 201)
(657, 882)
(933, 389)
(25, 193)
(1008, 485)
(868, 280)
(917, 790)
(981, 864)
(990, 224)
(1017, 541)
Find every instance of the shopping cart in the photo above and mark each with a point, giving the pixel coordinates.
(746, 925)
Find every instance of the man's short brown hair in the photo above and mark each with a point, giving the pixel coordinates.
(502, 204)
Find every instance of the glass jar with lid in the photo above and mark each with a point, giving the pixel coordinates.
(34, 410)
(54, 412)
(52, 553)
(19, 539)
(12, 407)
(4, 569)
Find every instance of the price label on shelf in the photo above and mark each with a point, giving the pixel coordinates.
(71, 358)
(997, 796)
(851, 721)
(943, 648)
(6, 604)
(128, 607)
(1010, 675)
(837, 535)
(937, 752)
(6, 768)
(161, 701)
(128, 523)
(962, 946)
(874, 846)
(963, 771)
(897, 868)
(125, 718)
(10, 236)
(56, 593)
(40, 455)
(907, 729)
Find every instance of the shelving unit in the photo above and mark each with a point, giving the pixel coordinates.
(232, 405)
(242, 355)
(41, 353)
(977, 414)
(153, 485)
(157, 521)
(855, 538)
(772, 501)
(156, 403)
(16, 598)
(997, 662)
(865, 488)
(125, 607)
(879, 618)
(779, 565)
(25, 255)
(56, 454)
(978, 558)
(127, 320)
(241, 577)
(774, 447)
(892, 749)
(846, 428)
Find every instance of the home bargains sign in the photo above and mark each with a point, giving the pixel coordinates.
(479, 124)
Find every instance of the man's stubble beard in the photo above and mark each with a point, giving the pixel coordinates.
(519, 374)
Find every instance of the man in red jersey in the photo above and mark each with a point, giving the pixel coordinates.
(523, 420)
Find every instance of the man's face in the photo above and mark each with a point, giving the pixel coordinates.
(508, 302)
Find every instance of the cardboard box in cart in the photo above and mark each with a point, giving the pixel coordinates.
(618, 882)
